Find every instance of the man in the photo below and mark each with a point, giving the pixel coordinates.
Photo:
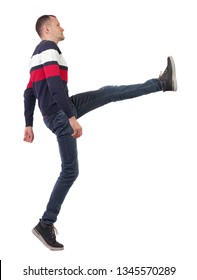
(48, 85)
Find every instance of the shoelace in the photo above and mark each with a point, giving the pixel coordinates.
(162, 75)
(53, 231)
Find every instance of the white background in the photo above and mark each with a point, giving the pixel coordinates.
(134, 203)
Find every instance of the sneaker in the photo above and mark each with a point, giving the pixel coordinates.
(169, 76)
(47, 235)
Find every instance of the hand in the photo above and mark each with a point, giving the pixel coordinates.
(77, 129)
(28, 134)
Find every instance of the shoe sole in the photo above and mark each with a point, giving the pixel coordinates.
(39, 236)
(174, 81)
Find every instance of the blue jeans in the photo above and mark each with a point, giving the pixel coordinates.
(58, 123)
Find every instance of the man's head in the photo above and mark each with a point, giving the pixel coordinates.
(48, 28)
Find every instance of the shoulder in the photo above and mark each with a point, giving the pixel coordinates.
(45, 52)
(46, 45)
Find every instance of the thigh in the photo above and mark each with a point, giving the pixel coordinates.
(90, 100)
(87, 101)
(59, 124)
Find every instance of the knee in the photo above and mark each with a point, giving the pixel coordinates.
(70, 171)
(75, 172)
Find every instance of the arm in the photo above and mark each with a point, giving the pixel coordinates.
(60, 94)
(29, 106)
(56, 75)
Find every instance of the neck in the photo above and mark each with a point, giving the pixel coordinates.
(49, 39)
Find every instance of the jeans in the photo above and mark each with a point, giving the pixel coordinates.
(58, 123)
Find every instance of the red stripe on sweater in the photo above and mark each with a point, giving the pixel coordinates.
(64, 74)
(52, 70)
(47, 72)
(29, 84)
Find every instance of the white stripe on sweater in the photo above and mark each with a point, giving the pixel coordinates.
(47, 56)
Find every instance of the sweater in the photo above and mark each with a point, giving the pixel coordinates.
(47, 82)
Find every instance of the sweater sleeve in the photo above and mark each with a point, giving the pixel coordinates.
(56, 75)
(29, 104)
(59, 93)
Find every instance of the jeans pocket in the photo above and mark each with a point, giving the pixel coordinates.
(50, 120)
(59, 124)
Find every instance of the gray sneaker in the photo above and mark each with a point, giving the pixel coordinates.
(168, 77)
(46, 234)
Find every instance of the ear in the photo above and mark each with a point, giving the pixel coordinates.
(46, 29)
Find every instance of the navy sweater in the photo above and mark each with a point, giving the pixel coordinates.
(47, 83)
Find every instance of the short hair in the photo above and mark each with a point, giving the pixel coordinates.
(41, 21)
